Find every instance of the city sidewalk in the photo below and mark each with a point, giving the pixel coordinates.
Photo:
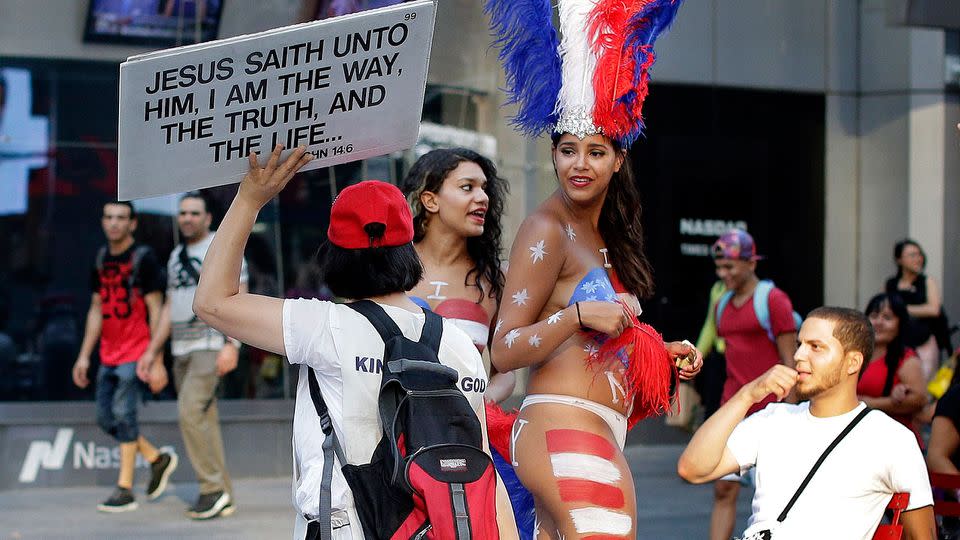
(668, 508)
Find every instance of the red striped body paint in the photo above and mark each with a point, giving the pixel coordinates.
(592, 492)
(580, 442)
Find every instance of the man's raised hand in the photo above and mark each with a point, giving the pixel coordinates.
(778, 380)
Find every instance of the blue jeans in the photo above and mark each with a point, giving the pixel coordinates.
(118, 393)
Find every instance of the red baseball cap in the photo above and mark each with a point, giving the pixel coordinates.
(360, 205)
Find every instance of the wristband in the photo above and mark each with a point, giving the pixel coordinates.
(579, 320)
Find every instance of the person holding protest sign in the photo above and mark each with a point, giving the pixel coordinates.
(369, 255)
(457, 202)
(577, 269)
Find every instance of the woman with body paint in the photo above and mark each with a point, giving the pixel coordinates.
(573, 258)
(577, 267)
(457, 202)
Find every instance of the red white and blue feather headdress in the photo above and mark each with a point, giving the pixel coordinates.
(593, 80)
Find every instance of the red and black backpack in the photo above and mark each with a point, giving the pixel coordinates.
(429, 477)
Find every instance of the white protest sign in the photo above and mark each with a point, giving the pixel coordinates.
(348, 88)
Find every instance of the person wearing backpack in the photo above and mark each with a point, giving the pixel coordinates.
(127, 286)
(388, 427)
(759, 327)
(201, 356)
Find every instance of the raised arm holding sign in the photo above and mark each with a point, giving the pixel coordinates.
(347, 89)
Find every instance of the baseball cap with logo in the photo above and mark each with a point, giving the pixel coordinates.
(370, 214)
(735, 244)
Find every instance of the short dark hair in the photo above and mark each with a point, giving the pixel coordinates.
(852, 330)
(196, 194)
(128, 204)
(362, 273)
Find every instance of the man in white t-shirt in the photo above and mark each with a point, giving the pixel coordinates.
(846, 497)
(370, 256)
(201, 356)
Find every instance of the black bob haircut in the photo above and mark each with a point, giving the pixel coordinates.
(375, 271)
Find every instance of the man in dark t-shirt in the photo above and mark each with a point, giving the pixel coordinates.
(126, 284)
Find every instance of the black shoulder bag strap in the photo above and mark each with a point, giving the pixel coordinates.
(187, 264)
(823, 456)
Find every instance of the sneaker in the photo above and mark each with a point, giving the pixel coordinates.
(160, 471)
(211, 505)
(121, 500)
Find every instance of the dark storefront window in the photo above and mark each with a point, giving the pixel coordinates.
(718, 157)
(58, 166)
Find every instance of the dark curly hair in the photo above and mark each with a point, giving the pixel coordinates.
(428, 174)
(622, 230)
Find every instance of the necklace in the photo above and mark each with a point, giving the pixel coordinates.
(606, 262)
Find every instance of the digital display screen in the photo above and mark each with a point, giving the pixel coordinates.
(164, 23)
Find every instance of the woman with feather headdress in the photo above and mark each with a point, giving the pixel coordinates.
(577, 268)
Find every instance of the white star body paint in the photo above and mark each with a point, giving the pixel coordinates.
(571, 234)
(591, 348)
(511, 337)
(496, 329)
(514, 435)
(520, 297)
(436, 295)
(601, 521)
(537, 252)
(615, 388)
(555, 318)
(535, 340)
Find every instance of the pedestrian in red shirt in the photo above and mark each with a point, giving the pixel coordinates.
(127, 285)
(756, 321)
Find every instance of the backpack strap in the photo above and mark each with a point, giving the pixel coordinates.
(823, 456)
(722, 305)
(101, 255)
(377, 317)
(761, 306)
(136, 258)
(330, 447)
(429, 336)
(432, 330)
